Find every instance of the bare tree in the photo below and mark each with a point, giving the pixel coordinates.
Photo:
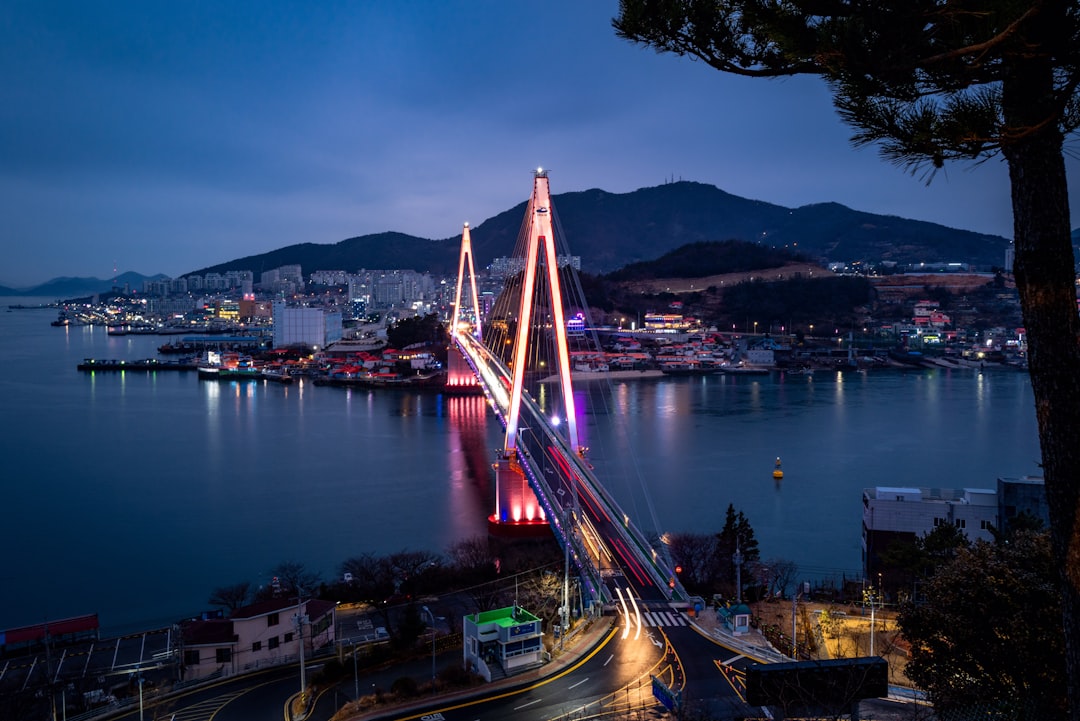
(695, 553)
(780, 575)
(293, 577)
(231, 597)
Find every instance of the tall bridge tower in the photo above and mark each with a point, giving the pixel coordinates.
(459, 376)
(516, 507)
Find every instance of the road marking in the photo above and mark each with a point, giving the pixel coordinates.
(732, 660)
(524, 705)
(580, 682)
(609, 659)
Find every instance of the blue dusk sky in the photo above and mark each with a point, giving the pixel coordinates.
(161, 137)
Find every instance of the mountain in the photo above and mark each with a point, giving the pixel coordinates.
(74, 287)
(610, 230)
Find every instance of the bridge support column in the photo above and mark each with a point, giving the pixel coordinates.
(518, 513)
(460, 378)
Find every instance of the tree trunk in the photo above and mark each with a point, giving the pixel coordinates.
(1045, 279)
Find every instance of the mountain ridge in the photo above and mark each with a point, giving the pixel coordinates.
(609, 231)
(612, 230)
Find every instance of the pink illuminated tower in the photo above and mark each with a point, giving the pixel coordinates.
(516, 507)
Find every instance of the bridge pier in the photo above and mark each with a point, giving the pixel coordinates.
(518, 513)
(460, 378)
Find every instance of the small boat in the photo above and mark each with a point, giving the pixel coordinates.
(778, 472)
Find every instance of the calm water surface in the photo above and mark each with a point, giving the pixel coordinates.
(135, 494)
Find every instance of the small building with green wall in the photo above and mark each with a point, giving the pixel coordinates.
(502, 642)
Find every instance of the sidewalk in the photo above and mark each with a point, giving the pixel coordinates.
(751, 644)
(576, 647)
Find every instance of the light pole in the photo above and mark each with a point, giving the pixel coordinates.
(301, 619)
(355, 675)
(432, 617)
(869, 597)
(872, 622)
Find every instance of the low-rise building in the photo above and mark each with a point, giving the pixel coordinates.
(262, 634)
(502, 642)
(893, 513)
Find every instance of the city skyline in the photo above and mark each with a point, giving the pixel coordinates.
(162, 138)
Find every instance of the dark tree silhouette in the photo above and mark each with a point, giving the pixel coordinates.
(932, 81)
(231, 597)
(993, 611)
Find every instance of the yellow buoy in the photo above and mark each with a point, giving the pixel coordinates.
(777, 471)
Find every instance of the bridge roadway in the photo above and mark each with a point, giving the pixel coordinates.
(616, 561)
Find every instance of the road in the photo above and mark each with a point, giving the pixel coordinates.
(614, 676)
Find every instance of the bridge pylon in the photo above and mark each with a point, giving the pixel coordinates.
(457, 325)
(541, 245)
(516, 505)
(460, 378)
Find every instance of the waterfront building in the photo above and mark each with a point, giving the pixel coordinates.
(167, 307)
(262, 634)
(1021, 496)
(313, 327)
(666, 322)
(901, 514)
(502, 642)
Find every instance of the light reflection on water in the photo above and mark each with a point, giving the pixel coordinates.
(134, 495)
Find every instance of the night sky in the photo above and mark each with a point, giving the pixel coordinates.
(161, 137)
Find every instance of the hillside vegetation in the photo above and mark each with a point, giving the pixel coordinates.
(699, 260)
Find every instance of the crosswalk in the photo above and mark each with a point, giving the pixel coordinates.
(662, 619)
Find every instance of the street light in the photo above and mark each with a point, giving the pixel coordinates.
(432, 617)
(356, 676)
(300, 619)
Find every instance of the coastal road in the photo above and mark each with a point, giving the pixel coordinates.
(259, 695)
(614, 676)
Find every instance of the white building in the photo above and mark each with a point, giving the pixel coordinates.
(892, 513)
(266, 633)
(312, 327)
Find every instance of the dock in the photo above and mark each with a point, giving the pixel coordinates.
(146, 364)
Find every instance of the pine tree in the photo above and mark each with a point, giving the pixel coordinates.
(932, 81)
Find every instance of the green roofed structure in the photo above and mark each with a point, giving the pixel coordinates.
(502, 642)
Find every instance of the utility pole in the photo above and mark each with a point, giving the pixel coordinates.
(738, 559)
(300, 619)
(794, 616)
(432, 617)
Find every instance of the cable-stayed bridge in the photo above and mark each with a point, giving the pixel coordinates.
(521, 358)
